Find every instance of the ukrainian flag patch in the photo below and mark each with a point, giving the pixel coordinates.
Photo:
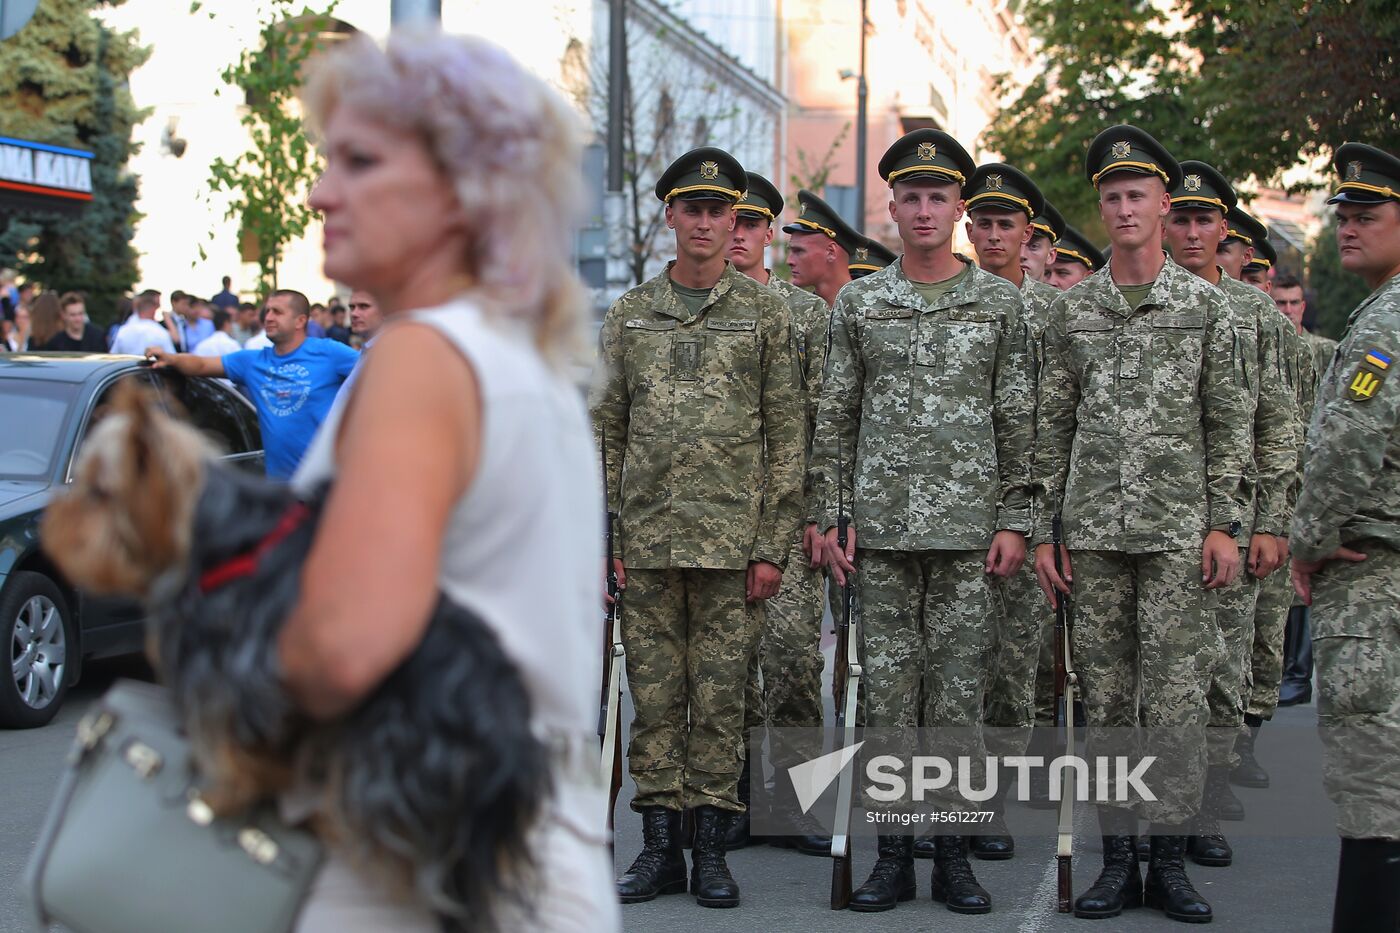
(1378, 359)
(1369, 375)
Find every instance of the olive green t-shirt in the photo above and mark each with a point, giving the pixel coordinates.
(932, 291)
(1134, 294)
(692, 298)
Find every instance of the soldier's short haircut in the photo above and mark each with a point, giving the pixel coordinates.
(300, 304)
(1287, 281)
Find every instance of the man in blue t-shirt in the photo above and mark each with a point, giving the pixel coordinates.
(292, 383)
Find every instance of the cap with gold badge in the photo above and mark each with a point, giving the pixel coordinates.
(1369, 175)
(1125, 148)
(1204, 187)
(1073, 245)
(703, 174)
(760, 197)
(1244, 228)
(1265, 256)
(870, 256)
(816, 216)
(1000, 186)
(928, 154)
(1048, 223)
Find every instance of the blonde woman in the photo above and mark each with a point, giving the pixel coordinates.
(462, 459)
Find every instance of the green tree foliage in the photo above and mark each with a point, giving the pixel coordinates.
(1335, 291)
(271, 181)
(1253, 86)
(63, 82)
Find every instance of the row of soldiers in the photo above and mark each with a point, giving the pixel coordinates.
(1156, 405)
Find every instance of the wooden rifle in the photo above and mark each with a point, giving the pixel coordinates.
(1066, 691)
(610, 704)
(845, 684)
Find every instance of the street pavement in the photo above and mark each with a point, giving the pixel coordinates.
(1276, 884)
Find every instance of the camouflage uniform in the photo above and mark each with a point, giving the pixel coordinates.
(789, 652)
(1276, 590)
(699, 411)
(926, 415)
(1142, 444)
(1026, 618)
(1351, 498)
(1258, 328)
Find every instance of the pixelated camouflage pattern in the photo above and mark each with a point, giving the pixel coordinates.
(1038, 297)
(1356, 647)
(810, 318)
(1351, 480)
(1145, 643)
(1233, 607)
(1259, 331)
(689, 635)
(928, 411)
(703, 417)
(1143, 428)
(1025, 615)
(1323, 349)
(1266, 653)
(789, 653)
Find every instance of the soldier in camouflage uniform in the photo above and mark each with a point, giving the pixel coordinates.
(926, 416)
(1038, 252)
(1194, 230)
(785, 673)
(1256, 271)
(869, 256)
(1006, 212)
(1075, 260)
(1346, 550)
(1293, 685)
(1142, 445)
(700, 405)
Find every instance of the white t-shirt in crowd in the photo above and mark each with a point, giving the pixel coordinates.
(217, 344)
(137, 334)
(258, 341)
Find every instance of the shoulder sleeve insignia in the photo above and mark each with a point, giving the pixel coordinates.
(1369, 375)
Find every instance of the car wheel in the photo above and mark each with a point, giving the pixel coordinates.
(39, 633)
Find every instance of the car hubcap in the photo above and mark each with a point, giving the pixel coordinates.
(39, 652)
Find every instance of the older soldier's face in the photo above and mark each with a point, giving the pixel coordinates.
(751, 235)
(1194, 234)
(1132, 207)
(1368, 238)
(926, 212)
(1290, 302)
(1064, 274)
(702, 227)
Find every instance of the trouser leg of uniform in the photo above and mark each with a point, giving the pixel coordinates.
(1266, 658)
(654, 626)
(1234, 616)
(1356, 647)
(959, 619)
(755, 715)
(720, 639)
(889, 591)
(1140, 626)
(790, 651)
(1045, 676)
(1010, 708)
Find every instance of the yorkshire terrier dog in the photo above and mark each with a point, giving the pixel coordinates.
(434, 782)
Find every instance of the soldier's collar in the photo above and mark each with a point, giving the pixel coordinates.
(901, 290)
(667, 302)
(1392, 283)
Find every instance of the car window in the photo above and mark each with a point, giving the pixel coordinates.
(32, 416)
(207, 406)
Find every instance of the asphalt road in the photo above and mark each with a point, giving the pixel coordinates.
(1276, 884)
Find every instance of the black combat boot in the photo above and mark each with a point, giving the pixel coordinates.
(892, 878)
(996, 844)
(1167, 888)
(1119, 885)
(1368, 887)
(805, 835)
(1219, 798)
(1297, 659)
(710, 880)
(1207, 845)
(738, 835)
(660, 867)
(953, 882)
(925, 847)
(1249, 773)
(1144, 847)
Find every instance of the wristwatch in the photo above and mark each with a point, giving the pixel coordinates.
(1234, 529)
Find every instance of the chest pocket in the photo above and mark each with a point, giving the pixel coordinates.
(1178, 340)
(1093, 348)
(969, 348)
(888, 334)
(648, 349)
(731, 376)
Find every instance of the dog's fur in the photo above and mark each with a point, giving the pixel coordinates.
(434, 782)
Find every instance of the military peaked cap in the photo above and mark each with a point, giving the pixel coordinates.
(1244, 228)
(1048, 223)
(816, 216)
(1264, 255)
(1073, 245)
(761, 198)
(1369, 175)
(999, 185)
(1202, 186)
(1125, 148)
(926, 153)
(703, 174)
(870, 256)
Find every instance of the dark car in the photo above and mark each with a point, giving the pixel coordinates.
(48, 404)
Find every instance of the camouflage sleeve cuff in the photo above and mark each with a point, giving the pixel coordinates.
(779, 561)
(1014, 520)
